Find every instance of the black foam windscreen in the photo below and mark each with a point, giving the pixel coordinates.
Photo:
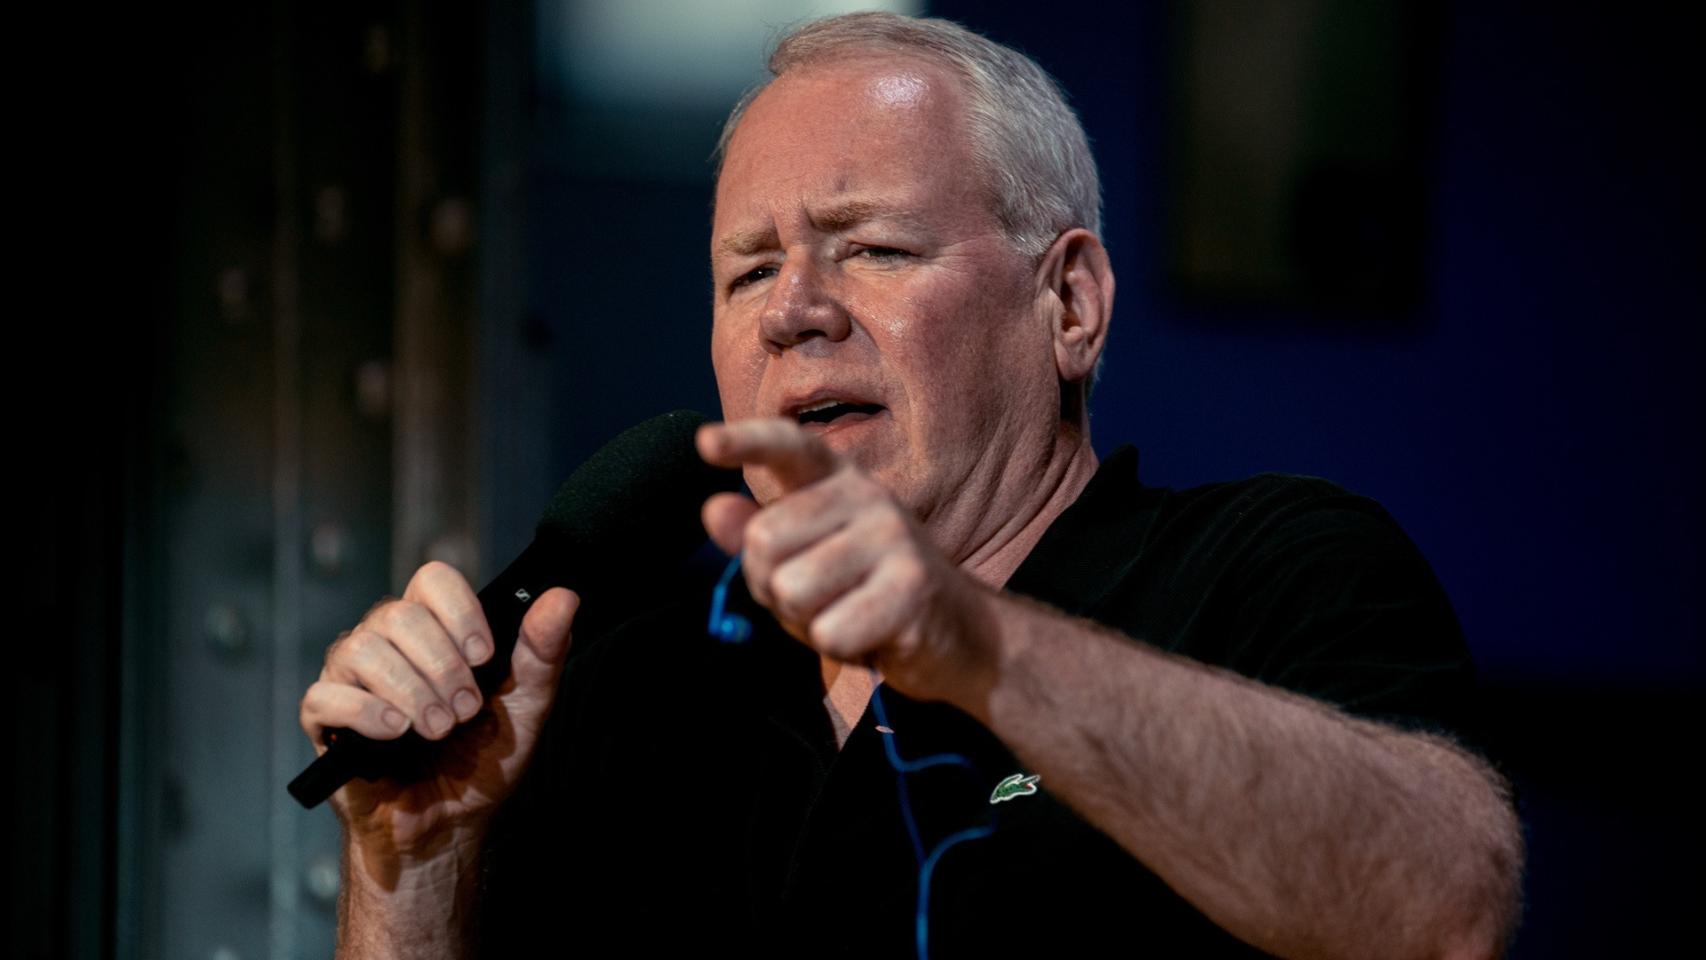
(637, 498)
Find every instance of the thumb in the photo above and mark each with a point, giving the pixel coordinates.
(542, 648)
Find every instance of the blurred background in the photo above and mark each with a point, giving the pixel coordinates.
(334, 289)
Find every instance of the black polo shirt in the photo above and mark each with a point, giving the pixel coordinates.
(689, 795)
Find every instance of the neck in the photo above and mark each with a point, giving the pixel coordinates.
(998, 552)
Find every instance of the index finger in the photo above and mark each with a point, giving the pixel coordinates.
(797, 458)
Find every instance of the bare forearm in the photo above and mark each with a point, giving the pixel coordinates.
(424, 911)
(1299, 829)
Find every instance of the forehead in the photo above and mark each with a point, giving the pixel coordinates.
(888, 127)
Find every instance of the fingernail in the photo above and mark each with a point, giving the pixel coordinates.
(395, 719)
(466, 704)
(437, 720)
(476, 648)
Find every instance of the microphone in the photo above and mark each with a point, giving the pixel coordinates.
(629, 509)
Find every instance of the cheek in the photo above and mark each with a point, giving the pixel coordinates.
(976, 367)
(738, 372)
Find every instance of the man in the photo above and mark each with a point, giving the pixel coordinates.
(910, 303)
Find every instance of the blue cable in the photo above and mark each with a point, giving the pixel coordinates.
(734, 628)
(927, 865)
(727, 627)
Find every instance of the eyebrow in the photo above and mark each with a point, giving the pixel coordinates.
(851, 213)
(835, 219)
(745, 242)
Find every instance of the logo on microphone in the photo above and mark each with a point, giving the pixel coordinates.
(1017, 785)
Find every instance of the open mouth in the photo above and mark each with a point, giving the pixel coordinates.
(835, 413)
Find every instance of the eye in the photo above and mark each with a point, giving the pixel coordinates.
(752, 276)
(884, 253)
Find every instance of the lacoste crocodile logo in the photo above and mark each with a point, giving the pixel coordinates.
(1017, 785)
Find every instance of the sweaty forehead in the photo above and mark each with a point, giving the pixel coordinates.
(899, 89)
(857, 91)
(889, 126)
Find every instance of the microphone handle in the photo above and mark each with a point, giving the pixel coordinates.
(505, 601)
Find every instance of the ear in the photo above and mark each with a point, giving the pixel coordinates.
(1080, 287)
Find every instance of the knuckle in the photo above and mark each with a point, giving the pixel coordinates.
(428, 574)
(760, 538)
(352, 647)
(339, 643)
(378, 608)
(407, 685)
(910, 643)
(823, 634)
(395, 615)
(445, 672)
(378, 618)
(786, 583)
(781, 600)
(432, 668)
(909, 573)
(369, 644)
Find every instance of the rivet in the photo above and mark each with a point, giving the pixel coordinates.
(329, 546)
(227, 630)
(321, 877)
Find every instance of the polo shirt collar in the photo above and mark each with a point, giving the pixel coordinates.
(1093, 543)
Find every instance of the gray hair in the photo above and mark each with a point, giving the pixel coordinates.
(1026, 140)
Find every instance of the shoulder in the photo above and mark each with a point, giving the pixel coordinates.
(1302, 583)
(1266, 499)
(1274, 535)
(1282, 525)
(1158, 560)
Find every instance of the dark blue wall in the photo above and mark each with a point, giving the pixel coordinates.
(1537, 427)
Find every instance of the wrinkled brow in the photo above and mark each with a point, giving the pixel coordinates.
(745, 242)
(834, 219)
(851, 213)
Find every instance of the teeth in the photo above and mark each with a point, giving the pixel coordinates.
(825, 405)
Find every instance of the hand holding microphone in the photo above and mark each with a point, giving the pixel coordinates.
(408, 667)
(431, 700)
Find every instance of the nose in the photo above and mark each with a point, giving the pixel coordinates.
(801, 307)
